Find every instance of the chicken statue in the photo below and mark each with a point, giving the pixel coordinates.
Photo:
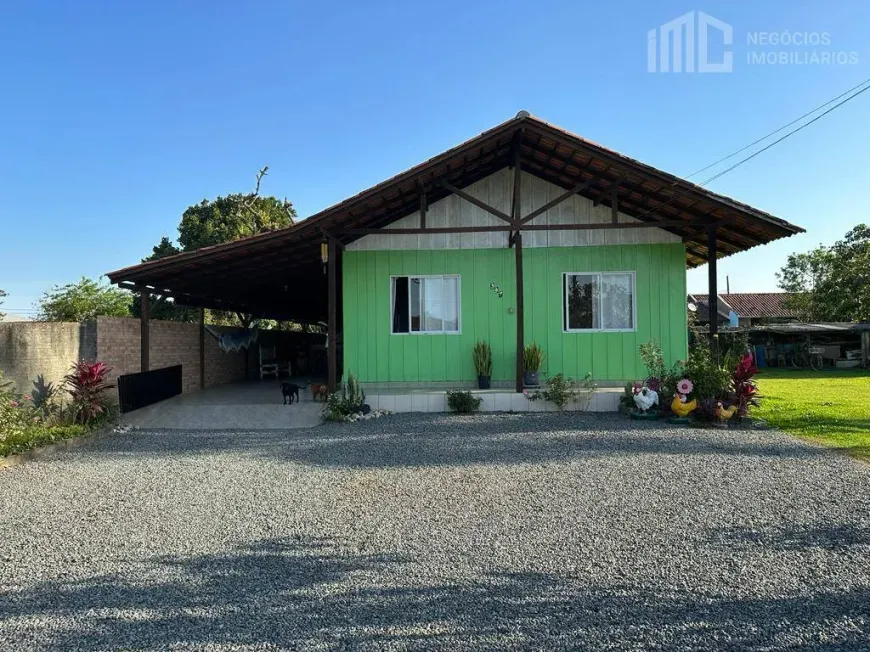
(645, 398)
(724, 414)
(681, 407)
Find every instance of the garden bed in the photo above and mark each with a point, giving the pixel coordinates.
(51, 414)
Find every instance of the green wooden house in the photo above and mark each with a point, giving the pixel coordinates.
(525, 233)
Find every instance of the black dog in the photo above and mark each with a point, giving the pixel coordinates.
(290, 390)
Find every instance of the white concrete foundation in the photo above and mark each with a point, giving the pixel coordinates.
(606, 399)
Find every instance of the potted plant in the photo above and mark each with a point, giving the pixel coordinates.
(482, 357)
(533, 357)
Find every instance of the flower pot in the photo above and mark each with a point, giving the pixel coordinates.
(483, 382)
(531, 378)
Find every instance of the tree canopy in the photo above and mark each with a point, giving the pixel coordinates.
(212, 222)
(831, 283)
(230, 218)
(83, 300)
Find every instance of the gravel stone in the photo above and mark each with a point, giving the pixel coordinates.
(438, 532)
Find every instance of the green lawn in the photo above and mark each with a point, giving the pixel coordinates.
(830, 407)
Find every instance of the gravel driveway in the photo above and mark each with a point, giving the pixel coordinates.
(533, 531)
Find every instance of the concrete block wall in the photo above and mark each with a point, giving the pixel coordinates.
(172, 343)
(48, 348)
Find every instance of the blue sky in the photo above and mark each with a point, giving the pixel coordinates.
(117, 116)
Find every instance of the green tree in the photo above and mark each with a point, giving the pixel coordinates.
(162, 250)
(213, 222)
(163, 308)
(230, 218)
(83, 300)
(831, 283)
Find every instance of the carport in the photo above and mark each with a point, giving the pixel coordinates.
(295, 273)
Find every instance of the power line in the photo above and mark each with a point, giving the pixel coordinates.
(772, 133)
(763, 149)
(779, 140)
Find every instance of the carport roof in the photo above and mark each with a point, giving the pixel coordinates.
(279, 274)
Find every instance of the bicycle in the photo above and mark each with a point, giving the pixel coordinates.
(808, 356)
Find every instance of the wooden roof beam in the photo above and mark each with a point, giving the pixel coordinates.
(473, 200)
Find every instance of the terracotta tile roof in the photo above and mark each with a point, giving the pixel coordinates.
(755, 304)
(702, 304)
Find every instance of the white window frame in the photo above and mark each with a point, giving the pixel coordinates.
(565, 328)
(458, 278)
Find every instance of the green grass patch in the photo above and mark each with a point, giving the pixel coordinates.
(829, 407)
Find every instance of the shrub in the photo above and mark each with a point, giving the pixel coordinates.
(482, 356)
(744, 386)
(355, 395)
(561, 390)
(463, 401)
(341, 404)
(732, 347)
(706, 410)
(711, 379)
(336, 408)
(30, 421)
(533, 357)
(652, 358)
(86, 384)
(16, 418)
(40, 436)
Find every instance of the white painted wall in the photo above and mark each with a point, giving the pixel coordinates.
(496, 190)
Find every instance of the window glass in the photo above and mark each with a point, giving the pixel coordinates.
(433, 310)
(416, 291)
(425, 304)
(616, 302)
(582, 298)
(400, 305)
(598, 301)
(451, 304)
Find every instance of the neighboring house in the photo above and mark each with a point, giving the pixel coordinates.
(701, 305)
(750, 308)
(525, 233)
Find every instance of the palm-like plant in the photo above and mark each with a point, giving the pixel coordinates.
(533, 357)
(482, 357)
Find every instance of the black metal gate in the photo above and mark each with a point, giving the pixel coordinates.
(138, 390)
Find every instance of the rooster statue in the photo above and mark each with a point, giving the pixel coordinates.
(724, 414)
(645, 398)
(681, 407)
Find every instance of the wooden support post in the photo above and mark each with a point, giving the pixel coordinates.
(145, 330)
(332, 348)
(423, 205)
(713, 289)
(518, 252)
(202, 348)
(518, 248)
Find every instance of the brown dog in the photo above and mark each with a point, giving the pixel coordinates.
(318, 390)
